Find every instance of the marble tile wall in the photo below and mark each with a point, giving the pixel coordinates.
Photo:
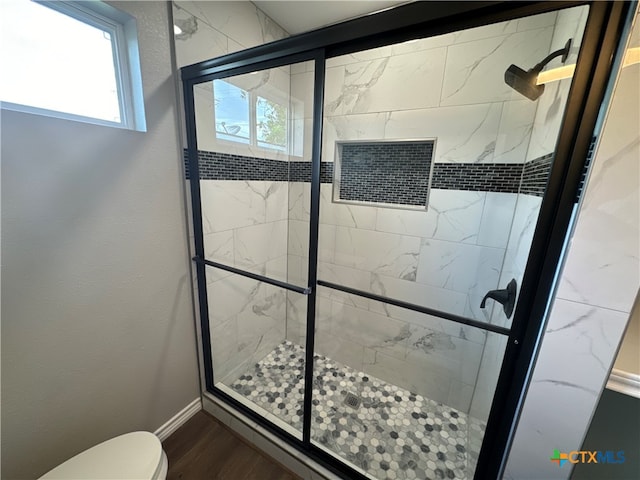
(445, 258)
(448, 256)
(452, 89)
(597, 288)
(569, 24)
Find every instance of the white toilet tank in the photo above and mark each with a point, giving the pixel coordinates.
(133, 456)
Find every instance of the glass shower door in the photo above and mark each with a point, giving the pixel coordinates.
(253, 150)
(436, 171)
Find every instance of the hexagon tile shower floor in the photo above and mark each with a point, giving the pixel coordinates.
(385, 431)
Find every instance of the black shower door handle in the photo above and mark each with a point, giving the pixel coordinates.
(507, 297)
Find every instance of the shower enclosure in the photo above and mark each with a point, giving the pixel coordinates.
(362, 196)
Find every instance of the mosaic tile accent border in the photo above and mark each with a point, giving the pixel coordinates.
(388, 432)
(385, 172)
(301, 172)
(226, 166)
(482, 177)
(535, 175)
(486, 177)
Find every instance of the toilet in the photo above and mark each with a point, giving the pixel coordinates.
(133, 456)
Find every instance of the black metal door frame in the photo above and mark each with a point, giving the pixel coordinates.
(599, 53)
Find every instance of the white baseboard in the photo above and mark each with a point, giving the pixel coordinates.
(624, 382)
(179, 419)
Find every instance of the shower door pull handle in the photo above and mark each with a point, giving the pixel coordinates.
(506, 297)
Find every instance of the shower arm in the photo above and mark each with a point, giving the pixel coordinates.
(564, 52)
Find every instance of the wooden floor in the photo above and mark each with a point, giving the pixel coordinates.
(203, 448)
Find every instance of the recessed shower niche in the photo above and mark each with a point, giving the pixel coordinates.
(352, 328)
(384, 173)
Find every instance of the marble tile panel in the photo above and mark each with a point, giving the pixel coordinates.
(373, 86)
(231, 204)
(517, 254)
(298, 238)
(460, 395)
(205, 125)
(296, 322)
(219, 246)
(198, 40)
(464, 134)
(575, 331)
(383, 253)
(359, 279)
(534, 22)
(546, 125)
(299, 200)
(488, 373)
(427, 296)
(230, 296)
(302, 86)
(362, 56)
(514, 133)
(276, 197)
(603, 265)
(497, 217)
(346, 215)
(327, 235)
(415, 378)
(474, 71)
(275, 268)
(297, 268)
(339, 349)
(369, 126)
(451, 215)
(570, 24)
(458, 267)
(224, 343)
(444, 354)
(486, 31)
(257, 244)
(369, 329)
(241, 21)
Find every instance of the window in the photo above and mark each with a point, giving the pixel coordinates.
(246, 117)
(75, 60)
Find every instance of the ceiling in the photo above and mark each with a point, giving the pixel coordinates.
(303, 15)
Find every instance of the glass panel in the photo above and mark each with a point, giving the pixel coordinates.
(399, 391)
(492, 154)
(254, 154)
(257, 338)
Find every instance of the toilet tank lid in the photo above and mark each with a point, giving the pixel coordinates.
(132, 456)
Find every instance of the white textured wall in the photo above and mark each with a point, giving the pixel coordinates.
(97, 324)
(596, 293)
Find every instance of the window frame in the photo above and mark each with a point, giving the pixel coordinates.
(126, 62)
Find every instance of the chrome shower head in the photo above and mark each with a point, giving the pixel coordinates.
(525, 82)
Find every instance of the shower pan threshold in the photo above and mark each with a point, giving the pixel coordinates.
(392, 434)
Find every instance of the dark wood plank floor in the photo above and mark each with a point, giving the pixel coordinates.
(203, 448)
